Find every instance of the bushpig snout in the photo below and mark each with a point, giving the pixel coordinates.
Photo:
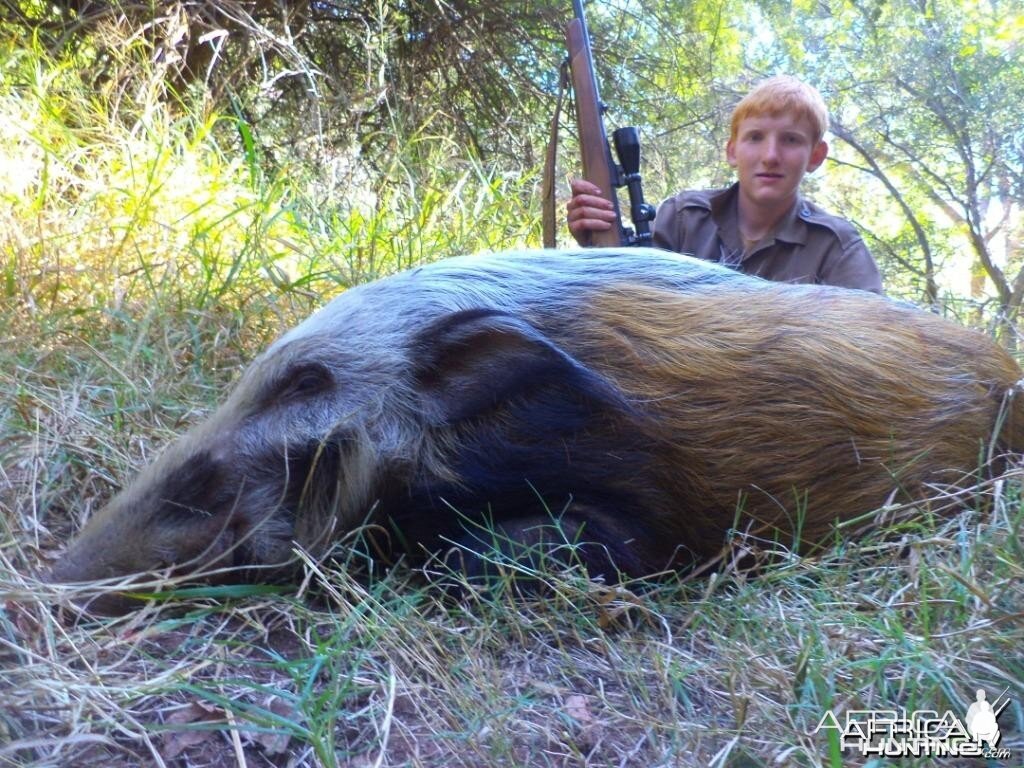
(171, 520)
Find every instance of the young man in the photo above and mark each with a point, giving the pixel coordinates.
(760, 225)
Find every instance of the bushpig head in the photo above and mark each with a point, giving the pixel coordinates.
(276, 463)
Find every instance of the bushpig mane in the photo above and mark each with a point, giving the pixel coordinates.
(650, 399)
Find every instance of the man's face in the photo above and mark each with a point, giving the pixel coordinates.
(771, 156)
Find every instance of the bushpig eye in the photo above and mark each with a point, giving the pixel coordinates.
(304, 381)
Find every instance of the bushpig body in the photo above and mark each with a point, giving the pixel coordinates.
(652, 400)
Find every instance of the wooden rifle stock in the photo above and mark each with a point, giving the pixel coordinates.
(598, 167)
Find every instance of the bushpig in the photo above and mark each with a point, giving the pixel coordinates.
(649, 400)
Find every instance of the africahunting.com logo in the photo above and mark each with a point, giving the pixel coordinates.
(922, 733)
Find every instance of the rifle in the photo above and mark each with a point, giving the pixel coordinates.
(598, 166)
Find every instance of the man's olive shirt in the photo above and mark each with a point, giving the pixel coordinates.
(808, 245)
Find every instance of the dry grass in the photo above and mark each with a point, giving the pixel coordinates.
(737, 674)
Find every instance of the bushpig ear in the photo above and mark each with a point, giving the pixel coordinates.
(472, 361)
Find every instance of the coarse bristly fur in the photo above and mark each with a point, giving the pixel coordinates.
(653, 400)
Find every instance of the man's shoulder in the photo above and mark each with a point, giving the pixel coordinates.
(817, 217)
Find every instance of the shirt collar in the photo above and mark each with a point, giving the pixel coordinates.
(792, 228)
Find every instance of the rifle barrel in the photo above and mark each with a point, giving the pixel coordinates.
(598, 166)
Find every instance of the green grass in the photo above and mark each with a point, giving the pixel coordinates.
(147, 255)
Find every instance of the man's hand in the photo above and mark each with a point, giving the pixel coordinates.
(588, 211)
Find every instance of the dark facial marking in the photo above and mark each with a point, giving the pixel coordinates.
(196, 489)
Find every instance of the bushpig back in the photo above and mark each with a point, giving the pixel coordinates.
(799, 406)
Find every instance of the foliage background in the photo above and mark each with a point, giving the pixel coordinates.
(379, 106)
